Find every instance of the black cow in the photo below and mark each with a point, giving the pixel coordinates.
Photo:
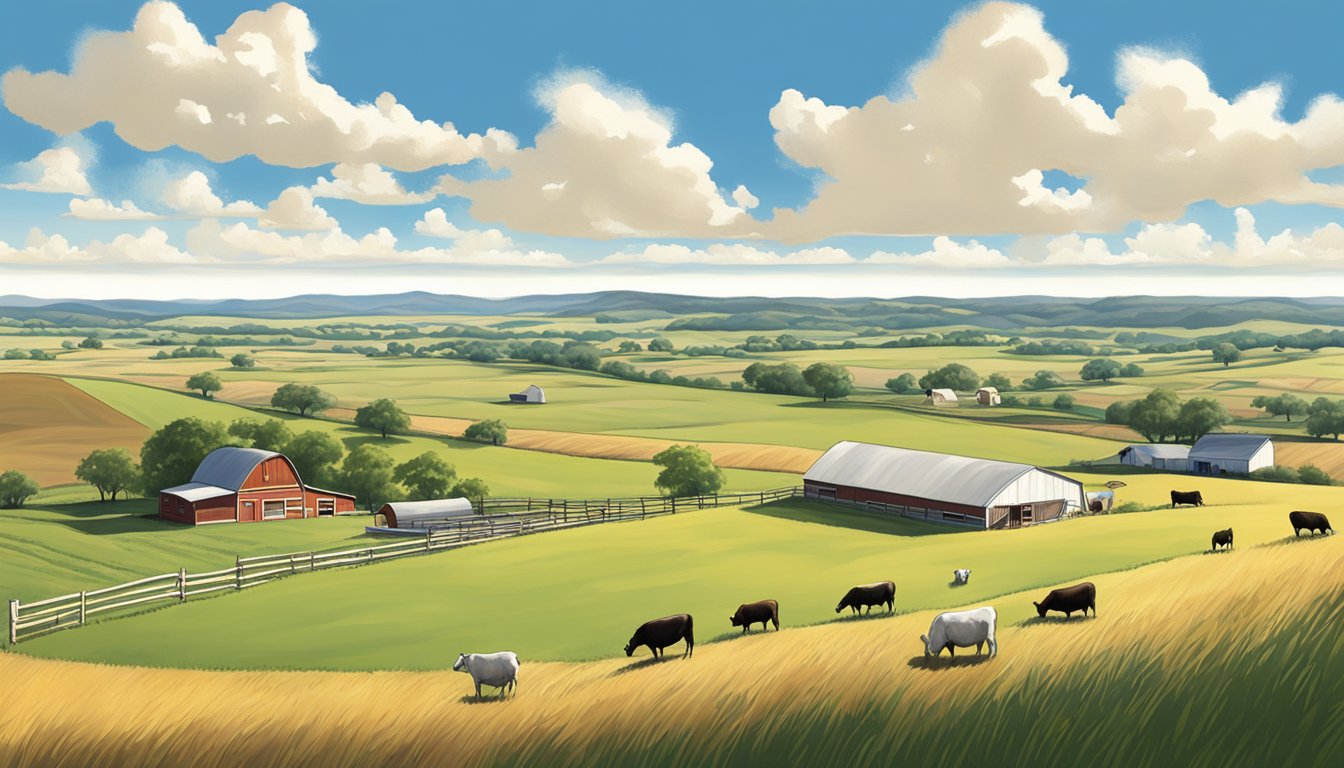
(660, 633)
(1222, 539)
(764, 611)
(1309, 521)
(1079, 597)
(868, 595)
(1193, 498)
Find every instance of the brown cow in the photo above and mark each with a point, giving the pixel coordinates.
(1067, 600)
(660, 633)
(868, 595)
(1310, 522)
(764, 611)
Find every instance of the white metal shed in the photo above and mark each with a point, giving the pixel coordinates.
(1226, 453)
(421, 514)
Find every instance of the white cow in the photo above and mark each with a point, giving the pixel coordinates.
(497, 670)
(962, 629)
(961, 575)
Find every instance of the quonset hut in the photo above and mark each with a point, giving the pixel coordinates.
(940, 486)
(422, 514)
(247, 485)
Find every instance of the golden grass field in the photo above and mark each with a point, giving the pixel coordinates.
(1200, 660)
(47, 426)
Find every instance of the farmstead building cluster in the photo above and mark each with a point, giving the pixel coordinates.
(247, 485)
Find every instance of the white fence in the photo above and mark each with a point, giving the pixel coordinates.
(27, 620)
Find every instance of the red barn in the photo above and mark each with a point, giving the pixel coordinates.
(247, 485)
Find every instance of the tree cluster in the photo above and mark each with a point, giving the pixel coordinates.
(1162, 416)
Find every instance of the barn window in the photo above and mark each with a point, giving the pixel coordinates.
(273, 509)
(326, 506)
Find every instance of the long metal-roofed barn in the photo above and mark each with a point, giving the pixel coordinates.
(423, 514)
(246, 485)
(1224, 453)
(940, 486)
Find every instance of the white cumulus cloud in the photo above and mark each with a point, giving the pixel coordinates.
(192, 195)
(604, 166)
(98, 209)
(367, 183)
(250, 92)
(57, 170)
(295, 209)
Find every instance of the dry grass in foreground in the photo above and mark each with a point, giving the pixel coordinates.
(1211, 660)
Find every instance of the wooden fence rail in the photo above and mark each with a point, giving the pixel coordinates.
(507, 518)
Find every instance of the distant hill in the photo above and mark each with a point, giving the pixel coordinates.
(752, 313)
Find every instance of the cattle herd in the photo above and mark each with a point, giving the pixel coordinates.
(949, 630)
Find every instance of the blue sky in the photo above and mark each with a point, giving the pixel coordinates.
(710, 74)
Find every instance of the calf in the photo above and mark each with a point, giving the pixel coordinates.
(868, 595)
(497, 670)
(1222, 538)
(1193, 498)
(962, 629)
(763, 611)
(961, 576)
(660, 633)
(1067, 600)
(1309, 521)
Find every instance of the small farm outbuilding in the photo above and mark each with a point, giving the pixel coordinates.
(1171, 458)
(940, 486)
(940, 396)
(422, 514)
(533, 394)
(988, 396)
(247, 485)
(1230, 454)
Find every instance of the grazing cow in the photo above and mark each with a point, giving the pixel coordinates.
(764, 611)
(1309, 521)
(868, 595)
(1095, 506)
(660, 633)
(1193, 498)
(962, 629)
(497, 670)
(1222, 539)
(961, 575)
(1079, 597)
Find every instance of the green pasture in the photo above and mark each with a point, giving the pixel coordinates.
(507, 471)
(578, 594)
(49, 550)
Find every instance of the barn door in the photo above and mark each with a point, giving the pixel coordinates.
(247, 512)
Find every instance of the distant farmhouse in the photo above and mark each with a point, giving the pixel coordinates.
(1230, 454)
(533, 394)
(422, 514)
(988, 396)
(247, 485)
(940, 397)
(944, 487)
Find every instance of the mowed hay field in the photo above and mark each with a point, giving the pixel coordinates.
(1207, 660)
(578, 594)
(47, 426)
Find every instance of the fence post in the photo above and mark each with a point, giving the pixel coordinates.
(13, 622)
(312, 562)
(181, 592)
(83, 604)
(429, 539)
(238, 572)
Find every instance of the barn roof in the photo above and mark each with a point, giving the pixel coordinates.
(531, 388)
(1160, 450)
(1228, 446)
(229, 467)
(944, 393)
(924, 474)
(991, 390)
(197, 491)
